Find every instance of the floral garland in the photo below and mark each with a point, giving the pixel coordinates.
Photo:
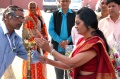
(115, 56)
(68, 52)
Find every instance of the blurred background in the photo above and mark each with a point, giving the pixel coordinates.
(52, 4)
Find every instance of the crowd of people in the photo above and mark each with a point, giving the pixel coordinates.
(89, 31)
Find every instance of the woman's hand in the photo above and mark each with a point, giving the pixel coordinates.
(43, 44)
(43, 59)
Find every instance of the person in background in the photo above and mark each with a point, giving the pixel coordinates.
(110, 24)
(97, 6)
(110, 27)
(10, 42)
(103, 10)
(90, 58)
(34, 26)
(60, 25)
(75, 35)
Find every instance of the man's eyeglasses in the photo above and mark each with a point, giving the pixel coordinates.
(19, 17)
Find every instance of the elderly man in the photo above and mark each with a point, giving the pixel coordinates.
(10, 41)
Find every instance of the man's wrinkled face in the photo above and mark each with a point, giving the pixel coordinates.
(16, 20)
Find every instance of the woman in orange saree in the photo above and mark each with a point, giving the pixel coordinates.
(90, 58)
(34, 26)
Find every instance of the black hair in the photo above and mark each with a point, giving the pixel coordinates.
(89, 18)
(10, 10)
(116, 1)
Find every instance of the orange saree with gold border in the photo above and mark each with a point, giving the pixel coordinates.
(105, 69)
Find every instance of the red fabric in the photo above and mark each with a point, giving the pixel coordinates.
(92, 76)
(105, 68)
(90, 66)
(37, 71)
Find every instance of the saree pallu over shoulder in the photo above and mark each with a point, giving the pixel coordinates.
(105, 68)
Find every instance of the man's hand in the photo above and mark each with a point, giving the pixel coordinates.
(63, 44)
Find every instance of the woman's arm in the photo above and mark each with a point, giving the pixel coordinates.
(78, 60)
(57, 64)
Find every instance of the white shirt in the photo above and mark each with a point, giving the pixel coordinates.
(108, 27)
(75, 35)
